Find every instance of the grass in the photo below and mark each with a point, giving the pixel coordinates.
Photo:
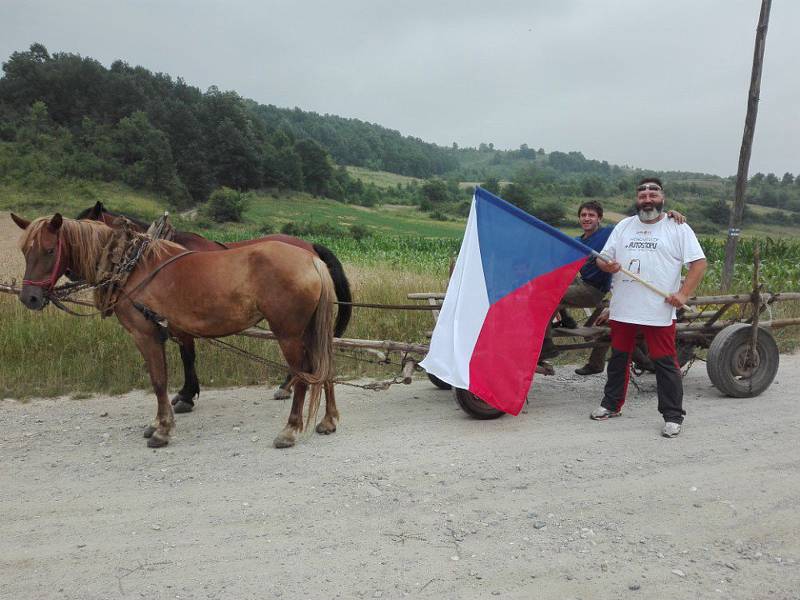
(381, 179)
(50, 353)
(46, 354)
(275, 209)
(71, 197)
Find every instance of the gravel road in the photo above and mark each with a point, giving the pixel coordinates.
(409, 498)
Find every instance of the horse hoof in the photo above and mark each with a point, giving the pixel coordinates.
(281, 394)
(325, 428)
(182, 406)
(284, 440)
(149, 431)
(157, 441)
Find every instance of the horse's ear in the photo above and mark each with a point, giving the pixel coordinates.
(97, 211)
(55, 222)
(21, 223)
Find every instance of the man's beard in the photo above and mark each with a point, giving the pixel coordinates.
(652, 213)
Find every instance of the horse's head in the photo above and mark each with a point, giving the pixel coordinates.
(98, 212)
(45, 258)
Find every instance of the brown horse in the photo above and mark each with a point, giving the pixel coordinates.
(201, 294)
(183, 401)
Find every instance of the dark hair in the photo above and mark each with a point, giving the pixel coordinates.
(592, 205)
(655, 180)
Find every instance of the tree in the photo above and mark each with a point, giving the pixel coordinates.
(145, 154)
(316, 166)
(787, 179)
(492, 184)
(519, 196)
(552, 212)
(592, 187)
(434, 191)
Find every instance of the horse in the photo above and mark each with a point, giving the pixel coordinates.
(200, 294)
(183, 401)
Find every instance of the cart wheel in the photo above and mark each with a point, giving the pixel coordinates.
(442, 385)
(731, 368)
(475, 407)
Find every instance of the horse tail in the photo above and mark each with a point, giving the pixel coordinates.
(340, 284)
(319, 343)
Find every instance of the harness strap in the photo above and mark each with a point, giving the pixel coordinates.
(156, 271)
(155, 318)
(49, 283)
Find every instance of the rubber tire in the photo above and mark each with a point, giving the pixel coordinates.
(442, 385)
(475, 407)
(726, 348)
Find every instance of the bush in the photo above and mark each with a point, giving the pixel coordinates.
(550, 212)
(225, 205)
(266, 228)
(359, 232)
(308, 229)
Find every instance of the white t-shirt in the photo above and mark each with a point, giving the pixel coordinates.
(655, 252)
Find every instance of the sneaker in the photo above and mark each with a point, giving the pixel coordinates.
(568, 322)
(588, 370)
(671, 429)
(601, 413)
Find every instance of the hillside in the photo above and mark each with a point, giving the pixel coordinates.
(67, 121)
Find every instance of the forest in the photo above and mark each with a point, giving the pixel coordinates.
(67, 117)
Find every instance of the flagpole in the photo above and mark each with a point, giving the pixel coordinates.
(635, 277)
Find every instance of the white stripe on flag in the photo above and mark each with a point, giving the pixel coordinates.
(464, 309)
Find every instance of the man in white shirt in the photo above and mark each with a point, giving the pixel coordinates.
(655, 249)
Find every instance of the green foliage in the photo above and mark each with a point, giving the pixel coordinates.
(308, 229)
(434, 191)
(225, 205)
(552, 212)
(316, 166)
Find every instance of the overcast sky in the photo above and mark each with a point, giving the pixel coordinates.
(656, 84)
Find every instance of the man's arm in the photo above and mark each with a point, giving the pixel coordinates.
(697, 269)
(679, 218)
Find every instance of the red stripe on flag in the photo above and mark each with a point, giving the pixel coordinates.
(505, 355)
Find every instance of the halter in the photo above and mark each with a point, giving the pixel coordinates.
(49, 283)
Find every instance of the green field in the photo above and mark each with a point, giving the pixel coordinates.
(381, 179)
(50, 353)
(275, 209)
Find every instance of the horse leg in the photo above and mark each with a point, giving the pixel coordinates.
(285, 389)
(328, 423)
(183, 401)
(293, 351)
(152, 349)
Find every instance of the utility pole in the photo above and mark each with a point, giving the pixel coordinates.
(734, 228)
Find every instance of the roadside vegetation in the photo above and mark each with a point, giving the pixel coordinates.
(392, 207)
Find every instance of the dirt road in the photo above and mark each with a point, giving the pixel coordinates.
(409, 498)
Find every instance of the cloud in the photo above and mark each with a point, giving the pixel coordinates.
(648, 83)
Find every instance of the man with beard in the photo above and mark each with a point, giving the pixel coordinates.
(655, 249)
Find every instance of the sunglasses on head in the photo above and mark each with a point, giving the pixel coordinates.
(649, 186)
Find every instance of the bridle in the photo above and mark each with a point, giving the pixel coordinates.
(50, 282)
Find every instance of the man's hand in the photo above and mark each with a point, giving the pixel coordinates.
(602, 317)
(609, 266)
(679, 218)
(677, 299)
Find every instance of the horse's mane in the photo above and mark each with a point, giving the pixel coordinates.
(87, 240)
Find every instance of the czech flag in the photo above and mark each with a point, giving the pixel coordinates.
(510, 275)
